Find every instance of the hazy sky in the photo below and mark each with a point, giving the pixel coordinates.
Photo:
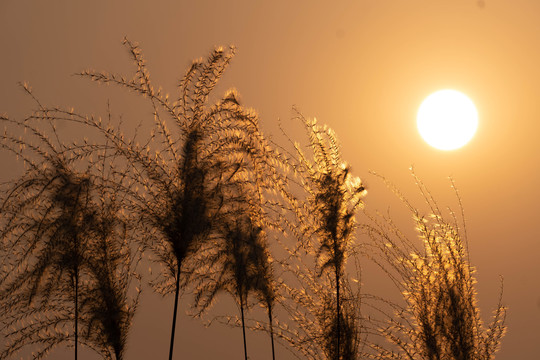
(362, 67)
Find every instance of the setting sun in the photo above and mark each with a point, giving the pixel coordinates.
(447, 119)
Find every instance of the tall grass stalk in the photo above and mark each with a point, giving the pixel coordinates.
(441, 317)
(175, 177)
(60, 236)
(45, 230)
(322, 207)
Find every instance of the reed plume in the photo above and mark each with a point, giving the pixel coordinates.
(45, 231)
(323, 204)
(53, 218)
(238, 262)
(441, 317)
(108, 301)
(175, 178)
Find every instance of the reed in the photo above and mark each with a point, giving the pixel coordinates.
(45, 230)
(320, 206)
(109, 298)
(60, 248)
(174, 181)
(441, 317)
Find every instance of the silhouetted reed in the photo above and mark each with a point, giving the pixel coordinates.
(106, 306)
(174, 180)
(349, 326)
(45, 229)
(228, 267)
(441, 318)
(264, 284)
(325, 203)
(238, 262)
(61, 250)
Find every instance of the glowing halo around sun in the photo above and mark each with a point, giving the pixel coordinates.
(447, 119)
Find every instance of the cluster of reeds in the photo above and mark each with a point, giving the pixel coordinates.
(218, 208)
(319, 209)
(67, 267)
(440, 319)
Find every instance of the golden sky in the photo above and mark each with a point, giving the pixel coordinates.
(362, 67)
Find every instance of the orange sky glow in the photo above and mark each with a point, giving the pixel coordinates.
(360, 66)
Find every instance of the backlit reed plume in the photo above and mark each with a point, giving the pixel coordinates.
(329, 198)
(441, 318)
(264, 284)
(108, 300)
(231, 260)
(175, 177)
(46, 226)
(239, 263)
(238, 260)
(60, 245)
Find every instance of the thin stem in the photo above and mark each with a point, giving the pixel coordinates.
(271, 331)
(76, 309)
(76, 275)
(338, 314)
(243, 327)
(175, 310)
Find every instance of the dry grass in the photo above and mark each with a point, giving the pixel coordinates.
(53, 217)
(212, 202)
(441, 318)
(320, 209)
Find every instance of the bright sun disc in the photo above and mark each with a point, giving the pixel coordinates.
(447, 119)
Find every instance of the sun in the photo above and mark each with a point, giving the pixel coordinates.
(447, 119)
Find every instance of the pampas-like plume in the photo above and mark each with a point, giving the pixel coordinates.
(324, 224)
(107, 308)
(45, 231)
(441, 318)
(237, 262)
(60, 246)
(174, 181)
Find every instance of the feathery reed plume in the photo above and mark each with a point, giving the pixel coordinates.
(62, 241)
(45, 231)
(239, 262)
(106, 306)
(174, 178)
(324, 225)
(441, 318)
(264, 283)
(228, 267)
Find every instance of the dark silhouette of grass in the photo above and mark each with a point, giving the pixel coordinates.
(45, 230)
(174, 179)
(203, 198)
(230, 261)
(238, 262)
(348, 323)
(264, 280)
(105, 304)
(324, 225)
(61, 245)
(441, 318)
